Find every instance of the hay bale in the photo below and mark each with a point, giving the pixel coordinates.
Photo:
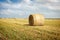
(36, 19)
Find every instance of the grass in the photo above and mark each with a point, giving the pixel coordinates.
(18, 29)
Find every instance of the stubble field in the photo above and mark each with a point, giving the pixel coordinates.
(19, 29)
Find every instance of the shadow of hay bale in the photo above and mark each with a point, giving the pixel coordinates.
(26, 25)
(30, 25)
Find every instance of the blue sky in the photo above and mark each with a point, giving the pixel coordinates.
(23, 8)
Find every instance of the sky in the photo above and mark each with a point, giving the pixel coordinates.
(23, 8)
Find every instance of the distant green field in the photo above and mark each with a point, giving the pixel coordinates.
(19, 29)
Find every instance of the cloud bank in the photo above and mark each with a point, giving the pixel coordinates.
(23, 8)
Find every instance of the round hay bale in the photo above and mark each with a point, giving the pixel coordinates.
(36, 20)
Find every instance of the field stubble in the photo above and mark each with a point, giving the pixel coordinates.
(19, 29)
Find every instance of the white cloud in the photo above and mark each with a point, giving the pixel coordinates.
(32, 6)
(53, 0)
(28, 6)
(52, 6)
(10, 11)
(7, 12)
(27, 1)
(7, 5)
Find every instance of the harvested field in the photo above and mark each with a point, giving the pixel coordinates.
(19, 29)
